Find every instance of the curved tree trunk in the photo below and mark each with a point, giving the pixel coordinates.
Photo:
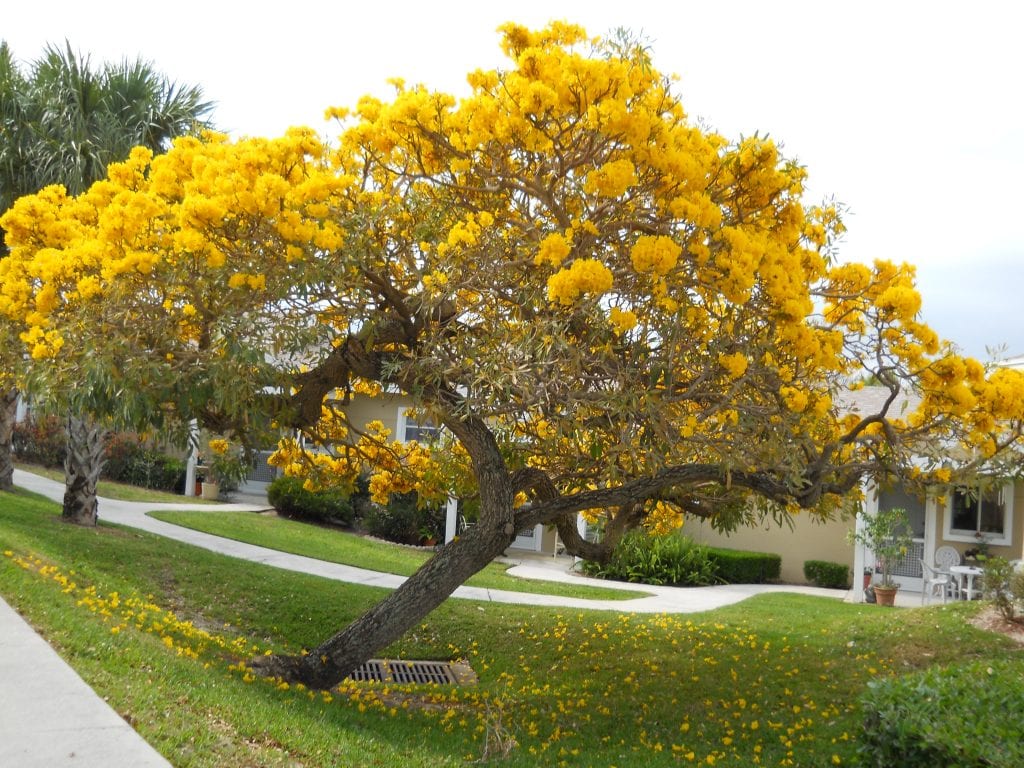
(82, 466)
(328, 664)
(8, 415)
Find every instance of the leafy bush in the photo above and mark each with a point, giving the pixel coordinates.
(404, 522)
(128, 460)
(649, 559)
(827, 574)
(288, 496)
(1004, 586)
(40, 441)
(969, 716)
(733, 566)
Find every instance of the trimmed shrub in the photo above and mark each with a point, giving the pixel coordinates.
(823, 573)
(733, 566)
(647, 559)
(40, 441)
(920, 720)
(288, 496)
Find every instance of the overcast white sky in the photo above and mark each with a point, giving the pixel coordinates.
(910, 113)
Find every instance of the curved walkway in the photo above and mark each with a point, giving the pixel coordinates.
(658, 599)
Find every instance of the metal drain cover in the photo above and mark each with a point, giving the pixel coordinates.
(418, 672)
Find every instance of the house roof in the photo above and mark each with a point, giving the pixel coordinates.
(871, 399)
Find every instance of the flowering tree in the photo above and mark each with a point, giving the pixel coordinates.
(62, 123)
(612, 311)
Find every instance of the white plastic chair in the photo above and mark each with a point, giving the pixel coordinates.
(945, 558)
(936, 582)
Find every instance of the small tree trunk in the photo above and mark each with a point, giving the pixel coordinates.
(82, 466)
(328, 664)
(8, 414)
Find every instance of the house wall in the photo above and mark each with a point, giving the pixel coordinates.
(808, 540)
(1012, 552)
(362, 410)
(549, 540)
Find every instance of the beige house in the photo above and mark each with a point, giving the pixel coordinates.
(961, 519)
(964, 519)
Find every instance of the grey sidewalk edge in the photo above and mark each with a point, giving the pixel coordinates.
(49, 716)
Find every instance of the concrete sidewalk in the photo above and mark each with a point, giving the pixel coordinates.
(49, 717)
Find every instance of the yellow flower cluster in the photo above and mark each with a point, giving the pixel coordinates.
(553, 250)
(663, 519)
(611, 179)
(735, 364)
(585, 276)
(622, 320)
(795, 398)
(393, 467)
(243, 280)
(219, 446)
(655, 254)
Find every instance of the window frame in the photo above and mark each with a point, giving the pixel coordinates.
(1006, 493)
(403, 423)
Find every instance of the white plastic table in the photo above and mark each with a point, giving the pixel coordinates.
(969, 572)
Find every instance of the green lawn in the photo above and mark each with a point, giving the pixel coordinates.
(773, 680)
(111, 490)
(337, 546)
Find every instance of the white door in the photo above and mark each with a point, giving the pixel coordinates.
(907, 570)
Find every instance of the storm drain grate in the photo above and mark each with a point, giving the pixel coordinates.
(420, 672)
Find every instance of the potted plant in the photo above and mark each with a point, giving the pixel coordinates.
(886, 534)
(979, 553)
(869, 573)
(427, 536)
(226, 470)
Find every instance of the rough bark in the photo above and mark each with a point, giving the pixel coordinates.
(82, 466)
(8, 414)
(326, 665)
(329, 663)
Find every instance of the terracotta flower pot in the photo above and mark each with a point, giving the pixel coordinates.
(885, 595)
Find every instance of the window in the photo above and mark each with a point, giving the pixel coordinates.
(988, 512)
(423, 430)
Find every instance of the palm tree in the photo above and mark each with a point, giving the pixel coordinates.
(73, 120)
(90, 118)
(15, 180)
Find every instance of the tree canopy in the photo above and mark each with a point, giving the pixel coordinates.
(612, 310)
(62, 121)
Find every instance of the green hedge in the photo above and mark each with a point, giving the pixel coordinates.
(288, 496)
(647, 559)
(129, 461)
(734, 566)
(404, 521)
(827, 574)
(970, 716)
(127, 458)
